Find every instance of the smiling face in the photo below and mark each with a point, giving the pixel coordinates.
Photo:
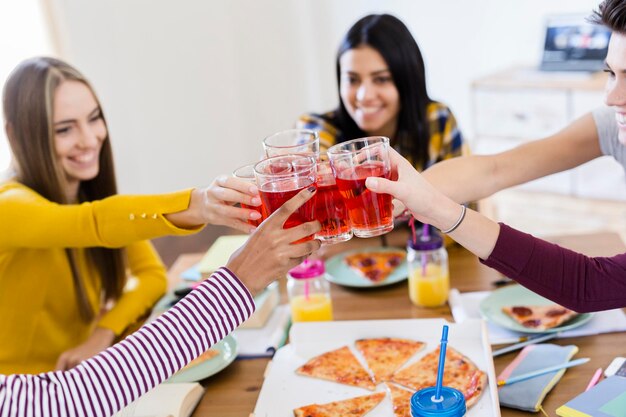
(368, 91)
(616, 83)
(79, 131)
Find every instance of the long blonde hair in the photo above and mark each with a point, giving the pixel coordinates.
(28, 112)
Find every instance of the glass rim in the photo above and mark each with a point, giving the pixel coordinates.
(282, 132)
(311, 159)
(337, 148)
(252, 165)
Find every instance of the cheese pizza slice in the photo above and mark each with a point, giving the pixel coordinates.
(540, 317)
(459, 372)
(385, 355)
(353, 407)
(340, 366)
(375, 266)
(401, 400)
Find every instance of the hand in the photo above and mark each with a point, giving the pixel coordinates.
(270, 253)
(215, 205)
(413, 191)
(99, 340)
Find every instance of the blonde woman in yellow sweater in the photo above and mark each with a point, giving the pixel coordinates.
(69, 244)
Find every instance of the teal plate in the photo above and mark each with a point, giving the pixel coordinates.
(228, 352)
(338, 272)
(491, 309)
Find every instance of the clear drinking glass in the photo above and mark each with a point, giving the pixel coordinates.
(292, 141)
(330, 209)
(352, 162)
(246, 173)
(279, 178)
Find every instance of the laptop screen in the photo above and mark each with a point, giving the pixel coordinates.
(574, 44)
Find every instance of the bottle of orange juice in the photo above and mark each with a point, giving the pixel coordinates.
(309, 292)
(427, 258)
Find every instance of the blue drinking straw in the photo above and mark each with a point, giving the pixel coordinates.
(442, 361)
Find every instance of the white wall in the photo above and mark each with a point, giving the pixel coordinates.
(191, 87)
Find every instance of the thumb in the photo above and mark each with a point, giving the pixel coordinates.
(383, 186)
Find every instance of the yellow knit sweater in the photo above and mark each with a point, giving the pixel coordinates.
(39, 316)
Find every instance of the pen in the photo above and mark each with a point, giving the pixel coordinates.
(543, 371)
(594, 379)
(528, 341)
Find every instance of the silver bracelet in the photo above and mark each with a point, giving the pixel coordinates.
(457, 223)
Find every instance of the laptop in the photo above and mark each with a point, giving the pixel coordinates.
(574, 44)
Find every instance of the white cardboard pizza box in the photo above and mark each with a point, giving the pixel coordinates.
(283, 390)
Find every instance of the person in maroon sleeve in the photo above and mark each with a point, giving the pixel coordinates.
(571, 279)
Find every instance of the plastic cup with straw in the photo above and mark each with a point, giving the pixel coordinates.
(439, 401)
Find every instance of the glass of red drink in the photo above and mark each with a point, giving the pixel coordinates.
(352, 162)
(330, 209)
(279, 178)
(246, 173)
(292, 141)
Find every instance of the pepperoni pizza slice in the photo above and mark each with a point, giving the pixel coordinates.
(340, 366)
(375, 266)
(459, 373)
(353, 407)
(385, 355)
(540, 317)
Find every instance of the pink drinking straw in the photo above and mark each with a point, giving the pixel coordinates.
(425, 237)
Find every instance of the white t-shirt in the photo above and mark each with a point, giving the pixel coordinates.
(606, 125)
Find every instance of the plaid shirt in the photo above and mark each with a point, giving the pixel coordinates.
(446, 140)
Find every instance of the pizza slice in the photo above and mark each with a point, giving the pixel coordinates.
(540, 317)
(385, 355)
(459, 372)
(340, 366)
(401, 400)
(352, 407)
(375, 266)
(209, 354)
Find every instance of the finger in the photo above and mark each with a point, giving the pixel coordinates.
(293, 234)
(237, 184)
(384, 186)
(294, 203)
(61, 364)
(232, 196)
(226, 213)
(304, 249)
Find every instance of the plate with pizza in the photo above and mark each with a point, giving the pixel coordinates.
(518, 308)
(209, 363)
(368, 267)
(372, 367)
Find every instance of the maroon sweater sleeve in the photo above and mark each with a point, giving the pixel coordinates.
(571, 279)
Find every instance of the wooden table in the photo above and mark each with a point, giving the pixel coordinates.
(234, 391)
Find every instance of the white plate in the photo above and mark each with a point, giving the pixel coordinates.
(283, 390)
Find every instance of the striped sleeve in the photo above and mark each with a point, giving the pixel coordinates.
(104, 384)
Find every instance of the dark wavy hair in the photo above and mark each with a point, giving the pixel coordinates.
(393, 40)
(27, 99)
(612, 14)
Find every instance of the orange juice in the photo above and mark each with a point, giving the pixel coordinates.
(317, 307)
(429, 289)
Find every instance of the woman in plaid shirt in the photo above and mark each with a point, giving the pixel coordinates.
(382, 92)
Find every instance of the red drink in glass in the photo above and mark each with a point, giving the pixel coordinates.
(330, 209)
(367, 210)
(273, 197)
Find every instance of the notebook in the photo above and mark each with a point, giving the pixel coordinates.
(174, 400)
(219, 253)
(607, 399)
